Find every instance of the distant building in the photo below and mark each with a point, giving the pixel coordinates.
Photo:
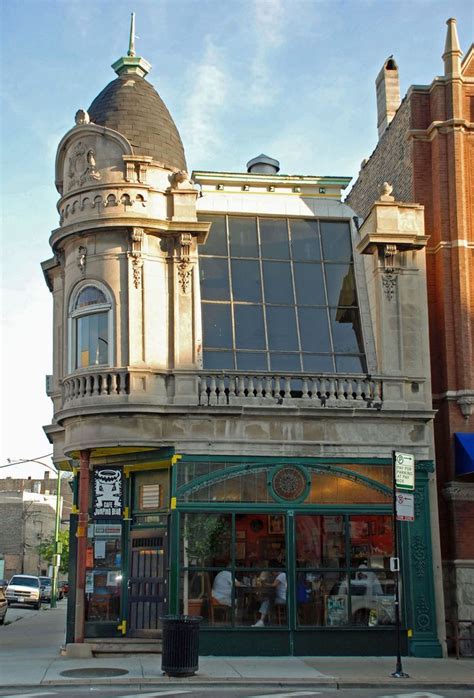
(26, 519)
(426, 151)
(234, 363)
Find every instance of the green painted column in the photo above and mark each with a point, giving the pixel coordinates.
(418, 571)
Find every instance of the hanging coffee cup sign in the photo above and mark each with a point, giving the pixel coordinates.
(108, 493)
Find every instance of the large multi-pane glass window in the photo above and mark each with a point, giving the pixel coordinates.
(279, 294)
(236, 569)
(90, 317)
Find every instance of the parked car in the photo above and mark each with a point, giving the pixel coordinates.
(371, 603)
(64, 586)
(46, 589)
(24, 589)
(3, 601)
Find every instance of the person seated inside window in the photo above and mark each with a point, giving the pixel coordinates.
(222, 587)
(280, 585)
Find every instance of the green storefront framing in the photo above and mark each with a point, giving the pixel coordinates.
(419, 628)
(418, 612)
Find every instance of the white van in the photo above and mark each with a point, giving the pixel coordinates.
(24, 589)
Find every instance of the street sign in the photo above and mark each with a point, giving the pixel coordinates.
(404, 471)
(405, 506)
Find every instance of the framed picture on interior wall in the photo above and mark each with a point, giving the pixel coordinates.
(240, 535)
(276, 524)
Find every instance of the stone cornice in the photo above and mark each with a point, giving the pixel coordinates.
(198, 228)
(459, 492)
(427, 134)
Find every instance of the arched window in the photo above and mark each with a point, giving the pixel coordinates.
(90, 327)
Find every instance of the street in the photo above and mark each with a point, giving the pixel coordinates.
(16, 613)
(263, 692)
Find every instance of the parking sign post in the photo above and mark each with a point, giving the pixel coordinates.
(401, 474)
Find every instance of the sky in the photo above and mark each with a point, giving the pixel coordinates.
(291, 78)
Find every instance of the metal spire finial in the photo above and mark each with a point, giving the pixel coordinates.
(131, 43)
(131, 64)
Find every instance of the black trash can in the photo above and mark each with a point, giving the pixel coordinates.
(180, 653)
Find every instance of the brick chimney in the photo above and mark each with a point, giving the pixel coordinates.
(387, 86)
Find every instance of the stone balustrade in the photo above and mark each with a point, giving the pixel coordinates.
(219, 388)
(129, 387)
(96, 384)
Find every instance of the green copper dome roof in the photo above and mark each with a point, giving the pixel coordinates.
(132, 106)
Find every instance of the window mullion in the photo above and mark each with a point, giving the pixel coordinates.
(264, 304)
(298, 334)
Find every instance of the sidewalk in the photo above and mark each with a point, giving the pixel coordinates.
(29, 650)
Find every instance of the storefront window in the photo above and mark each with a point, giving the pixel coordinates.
(320, 541)
(361, 542)
(103, 572)
(371, 540)
(235, 569)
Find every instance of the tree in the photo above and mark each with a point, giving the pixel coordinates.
(47, 550)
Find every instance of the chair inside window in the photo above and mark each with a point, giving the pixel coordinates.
(280, 613)
(218, 613)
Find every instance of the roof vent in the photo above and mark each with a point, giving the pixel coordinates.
(262, 164)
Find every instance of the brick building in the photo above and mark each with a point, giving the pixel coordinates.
(27, 517)
(426, 152)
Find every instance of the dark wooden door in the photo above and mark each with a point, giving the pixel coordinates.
(146, 584)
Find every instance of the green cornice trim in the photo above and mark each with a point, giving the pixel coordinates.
(210, 177)
(425, 466)
(286, 459)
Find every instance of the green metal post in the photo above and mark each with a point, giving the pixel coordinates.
(54, 586)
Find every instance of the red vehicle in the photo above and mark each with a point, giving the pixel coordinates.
(63, 589)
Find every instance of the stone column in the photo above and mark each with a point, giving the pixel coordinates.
(393, 234)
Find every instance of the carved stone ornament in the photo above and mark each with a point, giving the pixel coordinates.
(82, 117)
(82, 166)
(386, 192)
(82, 259)
(137, 236)
(180, 180)
(184, 275)
(184, 264)
(466, 405)
(389, 283)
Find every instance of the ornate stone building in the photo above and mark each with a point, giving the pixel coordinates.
(234, 364)
(426, 149)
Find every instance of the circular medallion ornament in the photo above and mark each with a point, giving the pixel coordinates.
(290, 483)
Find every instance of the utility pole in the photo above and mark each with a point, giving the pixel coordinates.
(57, 544)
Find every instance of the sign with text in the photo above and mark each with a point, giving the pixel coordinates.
(108, 493)
(404, 471)
(405, 506)
(108, 530)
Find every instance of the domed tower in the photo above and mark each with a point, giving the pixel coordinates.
(126, 330)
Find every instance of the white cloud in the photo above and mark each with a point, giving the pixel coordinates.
(208, 96)
(269, 25)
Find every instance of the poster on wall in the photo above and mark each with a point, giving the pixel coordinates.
(108, 493)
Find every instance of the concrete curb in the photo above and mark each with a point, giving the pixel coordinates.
(198, 682)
